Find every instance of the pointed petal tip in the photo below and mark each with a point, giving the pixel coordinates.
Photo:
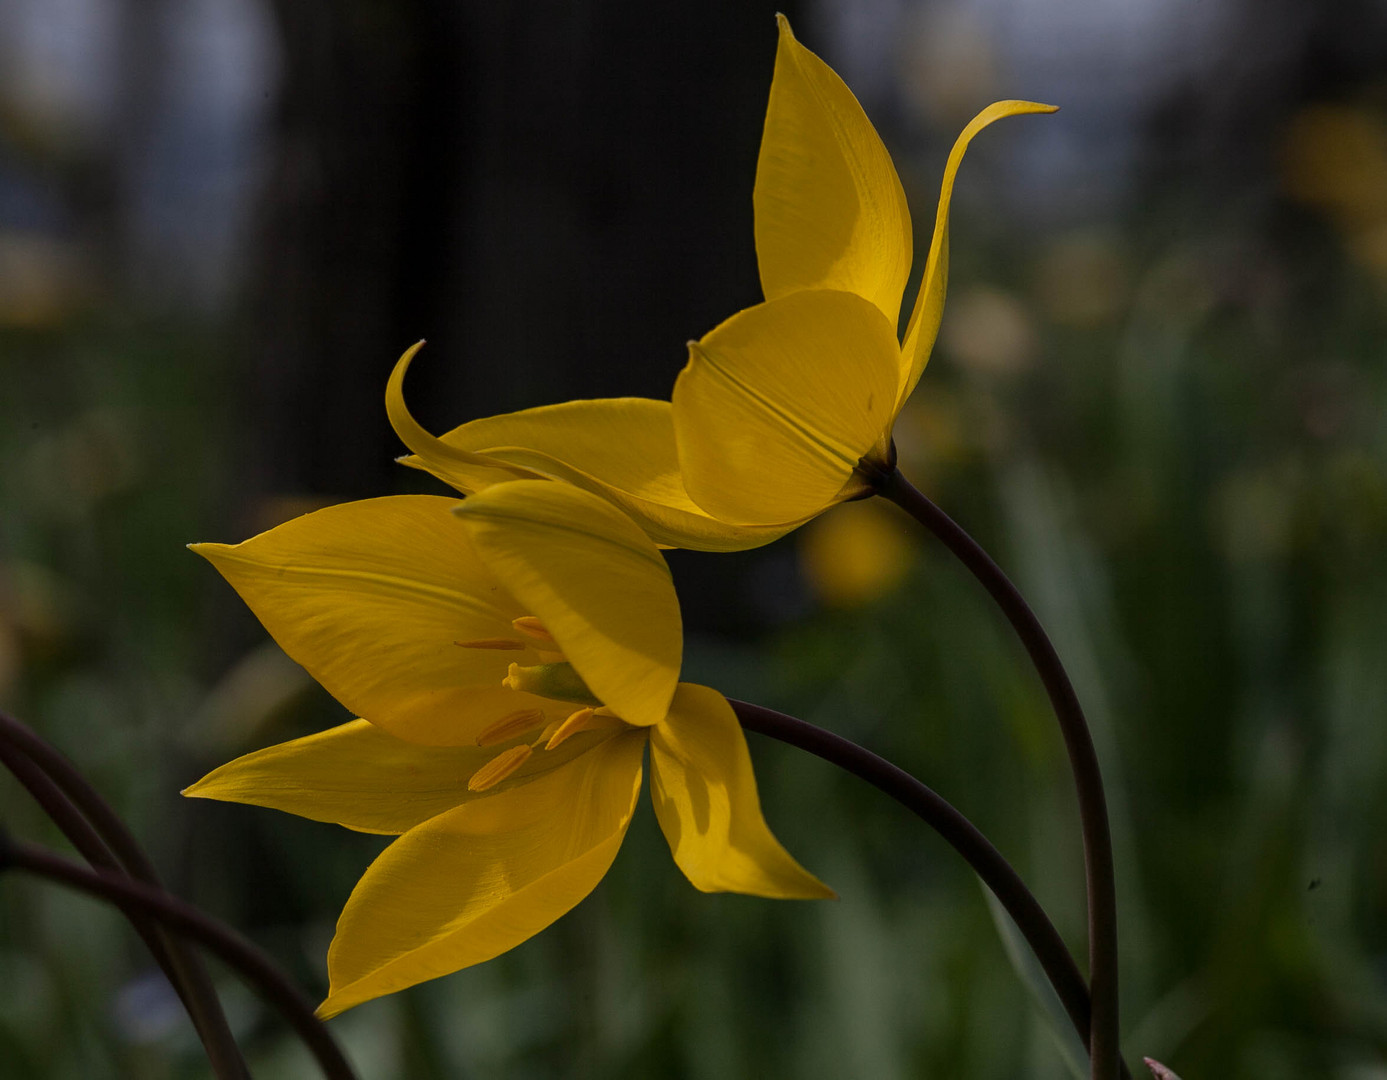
(814, 889)
(197, 790)
(1019, 106)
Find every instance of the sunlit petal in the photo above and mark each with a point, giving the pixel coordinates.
(358, 776)
(595, 581)
(705, 799)
(370, 597)
(778, 404)
(473, 882)
(923, 327)
(830, 212)
(620, 448)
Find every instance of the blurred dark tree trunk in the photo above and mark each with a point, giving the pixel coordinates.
(336, 253)
(557, 195)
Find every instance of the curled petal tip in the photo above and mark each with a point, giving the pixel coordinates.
(434, 453)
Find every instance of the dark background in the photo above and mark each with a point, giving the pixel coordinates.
(1159, 399)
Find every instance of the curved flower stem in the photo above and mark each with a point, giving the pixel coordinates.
(960, 833)
(1104, 1048)
(182, 918)
(203, 1006)
(25, 754)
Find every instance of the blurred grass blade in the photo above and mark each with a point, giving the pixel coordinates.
(1159, 1071)
(1074, 1053)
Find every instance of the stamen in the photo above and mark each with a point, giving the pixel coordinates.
(508, 727)
(493, 643)
(499, 767)
(578, 721)
(547, 733)
(532, 627)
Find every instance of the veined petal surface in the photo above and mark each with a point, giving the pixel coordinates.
(597, 582)
(478, 880)
(779, 403)
(923, 327)
(705, 799)
(370, 597)
(830, 210)
(620, 448)
(359, 776)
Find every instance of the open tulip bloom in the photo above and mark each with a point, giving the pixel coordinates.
(780, 404)
(787, 407)
(510, 658)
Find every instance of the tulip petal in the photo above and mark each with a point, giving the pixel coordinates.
(830, 211)
(923, 327)
(620, 448)
(779, 403)
(473, 470)
(705, 799)
(595, 581)
(370, 598)
(359, 776)
(478, 880)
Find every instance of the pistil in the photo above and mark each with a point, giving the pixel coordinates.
(557, 681)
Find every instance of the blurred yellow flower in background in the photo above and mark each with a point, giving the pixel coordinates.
(856, 554)
(1335, 156)
(511, 657)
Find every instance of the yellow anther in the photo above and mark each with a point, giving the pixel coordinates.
(493, 643)
(547, 733)
(576, 722)
(508, 727)
(532, 627)
(499, 767)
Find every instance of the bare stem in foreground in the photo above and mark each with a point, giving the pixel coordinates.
(182, 918)
(100, 837)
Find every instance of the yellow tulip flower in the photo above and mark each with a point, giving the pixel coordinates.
(511, 657)
(779, 404)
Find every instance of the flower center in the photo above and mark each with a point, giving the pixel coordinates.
(556, 680)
